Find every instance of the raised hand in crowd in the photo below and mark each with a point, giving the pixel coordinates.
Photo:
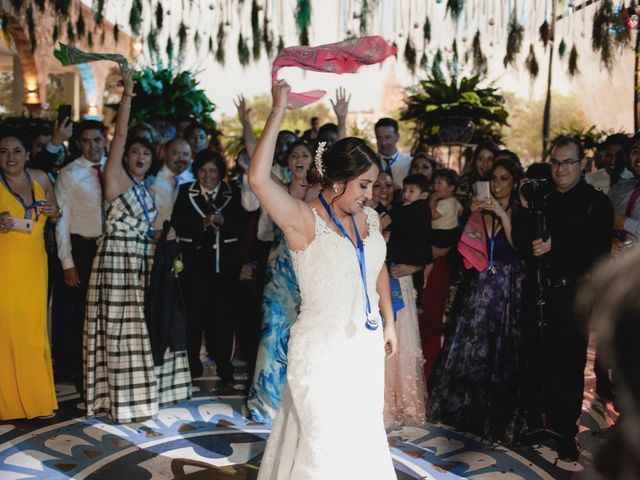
(61, 132)
(341, 109)
(244, 114)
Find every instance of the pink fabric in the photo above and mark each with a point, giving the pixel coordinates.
(342, 57)
(473, 244)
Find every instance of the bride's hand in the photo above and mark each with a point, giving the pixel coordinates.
(280, 93)
(390, 340)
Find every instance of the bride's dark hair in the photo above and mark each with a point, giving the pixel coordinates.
(343, 161)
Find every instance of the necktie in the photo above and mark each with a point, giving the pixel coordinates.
(98, 168)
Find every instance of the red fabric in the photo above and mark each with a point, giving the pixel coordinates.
(342, 57)
(434, 301)
(98, 169)
(473, 243)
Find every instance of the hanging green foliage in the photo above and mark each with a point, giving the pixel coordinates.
(573, 62)
(303, 19)
(455, 8)
(365, 11)
(532, 63)
(56, 32)
(80, 25)
(90, 40)
(31, 27)
(170, 49)
(243, 51)
(426, 30)
(135, 17)
(479, 58)
(99, 13)
(211, 47)
(280, 43)
(103, 36)
(267, 38)
(17, 5)
(600, 27)
(152, 42)
(562, 48)
(41, 4)
(436, 70)
(182, 37)
(62, 7)
(221, 37)
(197, 41)
(159, 14)
(255, 30)
(545, 33)
(410, 55)
(116, 32)
(424, 61)
(71, 35)
(453, 64)
(514, 40)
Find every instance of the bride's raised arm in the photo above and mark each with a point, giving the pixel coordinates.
(292, 215)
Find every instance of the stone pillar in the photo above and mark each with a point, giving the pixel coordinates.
(18, 86)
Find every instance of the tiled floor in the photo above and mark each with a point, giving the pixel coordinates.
(210, 437)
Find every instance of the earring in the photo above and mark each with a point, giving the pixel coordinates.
(335, 188)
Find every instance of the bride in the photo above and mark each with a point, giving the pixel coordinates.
(330, 424)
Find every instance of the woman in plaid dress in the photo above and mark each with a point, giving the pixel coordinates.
(120, 378)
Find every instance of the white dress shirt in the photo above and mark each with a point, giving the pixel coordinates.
(400, 165)
(601, 179)
(164, 188)
(79, 196)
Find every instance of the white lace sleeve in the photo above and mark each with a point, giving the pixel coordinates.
(373, 220)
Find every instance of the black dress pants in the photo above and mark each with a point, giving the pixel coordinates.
(557, 361)
(69, 306)
(210, 298)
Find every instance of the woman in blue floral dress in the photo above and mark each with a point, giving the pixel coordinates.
(280, 303)
(476, 384)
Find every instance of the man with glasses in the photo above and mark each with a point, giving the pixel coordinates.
(580, 220)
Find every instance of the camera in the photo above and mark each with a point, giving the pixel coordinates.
(536, 192)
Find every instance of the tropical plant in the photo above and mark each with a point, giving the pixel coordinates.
(433, 103)
(164, 94)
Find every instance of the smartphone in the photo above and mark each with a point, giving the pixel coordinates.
(483, 191)
(64, 111)
(22, 225)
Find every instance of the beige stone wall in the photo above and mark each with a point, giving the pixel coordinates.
(37, 65)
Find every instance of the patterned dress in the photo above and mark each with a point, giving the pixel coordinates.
(476, 384)
(280, 308)
(120, 377)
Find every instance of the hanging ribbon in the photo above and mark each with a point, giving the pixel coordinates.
(27, 207)
(141, 194)
(371, 322)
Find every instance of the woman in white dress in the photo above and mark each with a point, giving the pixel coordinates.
(330, 421)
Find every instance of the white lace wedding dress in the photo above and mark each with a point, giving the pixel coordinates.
(330, 422)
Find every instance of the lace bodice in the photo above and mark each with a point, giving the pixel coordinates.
(329, 276)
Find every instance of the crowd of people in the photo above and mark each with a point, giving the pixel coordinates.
(153, 250)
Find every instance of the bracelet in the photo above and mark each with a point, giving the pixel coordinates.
(55, 218)
(274, 110)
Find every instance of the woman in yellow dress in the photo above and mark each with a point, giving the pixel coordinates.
(27, 199)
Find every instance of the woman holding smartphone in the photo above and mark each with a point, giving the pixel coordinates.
(27, 199)
(475, 388)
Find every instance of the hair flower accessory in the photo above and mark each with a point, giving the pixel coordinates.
(317, 160)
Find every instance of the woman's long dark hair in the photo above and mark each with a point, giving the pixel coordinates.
(471, 171)
(343, 161)
(515, 170)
